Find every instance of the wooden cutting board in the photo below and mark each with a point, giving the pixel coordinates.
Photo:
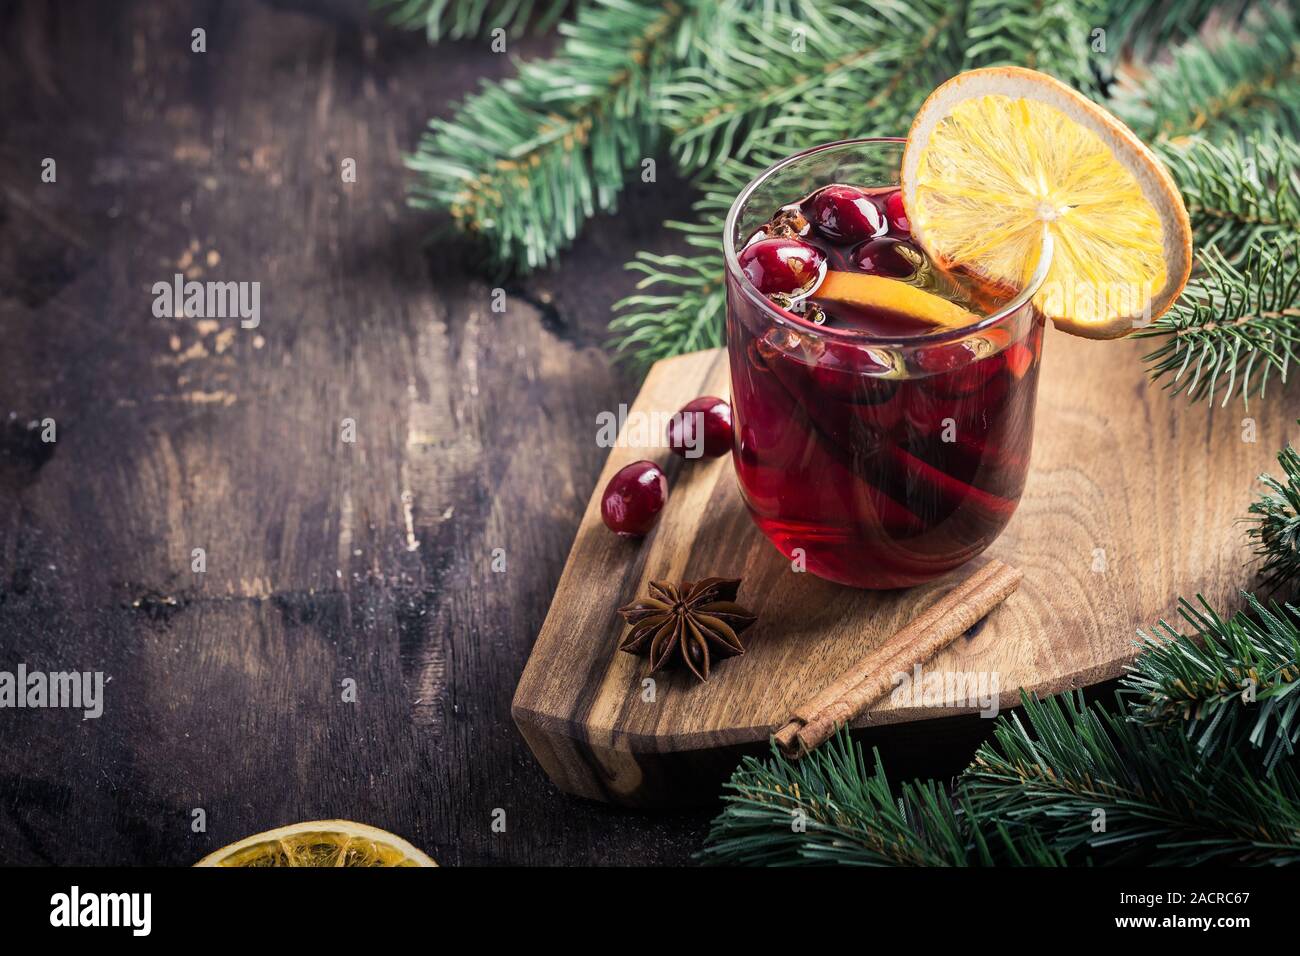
(1133, 498)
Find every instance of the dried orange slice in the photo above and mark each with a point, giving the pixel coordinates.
(997, 156)
(320, 843)
(858, 288)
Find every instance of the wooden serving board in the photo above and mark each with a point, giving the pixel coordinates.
(1134, 497)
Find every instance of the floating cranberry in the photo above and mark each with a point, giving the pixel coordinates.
(702, 427)
(887, 257)
(846, 214)
(957, 369)
(897, 214)
(781, 265)
(633, 499)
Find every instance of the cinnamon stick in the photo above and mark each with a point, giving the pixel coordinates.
(921, 639)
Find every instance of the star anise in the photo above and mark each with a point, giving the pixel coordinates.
(693, 623)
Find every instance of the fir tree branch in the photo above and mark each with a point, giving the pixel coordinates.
(1144, 28)
(1276, 524)
(1233, 328)
(832, 808)
(1054, 36)
(1054, 772)
(1240, 193)
(1068, 783)
(1232, 684)
(460, 19)
(1225, 85)
(791, 79)
(526, 161)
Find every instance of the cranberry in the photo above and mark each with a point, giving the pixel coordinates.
(633, 499)
(713, 415)
(781, 265)
(957, 370)
(886, 257)
(1019, 358)
(846, 372)
(897, 214)
(846, 214)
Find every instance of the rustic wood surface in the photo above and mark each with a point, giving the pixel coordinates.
(1132, 499)
(325, 560)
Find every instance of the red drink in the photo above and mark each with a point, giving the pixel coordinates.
(883, 448)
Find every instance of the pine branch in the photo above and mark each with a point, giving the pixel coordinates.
(1240, 193)
(832, 808)
(1276, 524)
(1054, 36)
(526, 161)
(1231, 685)
(1120, 792)
(794, 78)
(1233, 328)
(1227, 85)
(461, 19)
(686, 313)
(1143, 28)
(1067, 784)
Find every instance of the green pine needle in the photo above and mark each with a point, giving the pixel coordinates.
(1232, 684)
(1065, 783)
(1234, 328)
(461, 19)
(1275, 524)
(1105, 789)
(1225, 84)
(759, 95)
(525, 162)
(1240, 193)
(1052, 36)
(832, 808)
(1144, 28)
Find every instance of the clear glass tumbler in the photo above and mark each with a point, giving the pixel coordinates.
(880, 462)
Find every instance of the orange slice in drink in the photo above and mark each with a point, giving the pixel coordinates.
(997, 157)
(880, 292)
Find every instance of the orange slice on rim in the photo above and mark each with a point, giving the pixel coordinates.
(998, 156)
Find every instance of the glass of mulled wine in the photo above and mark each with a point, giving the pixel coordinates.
(883, 406)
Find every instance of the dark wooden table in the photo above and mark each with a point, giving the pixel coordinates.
(329, 564)
(327, 561)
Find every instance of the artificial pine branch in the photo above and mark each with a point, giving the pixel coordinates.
(1224, 85)
(460, 19)
(1233, 328)
(1275, 524)
(526, 161)
(1240, 193)
(1233, 685)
